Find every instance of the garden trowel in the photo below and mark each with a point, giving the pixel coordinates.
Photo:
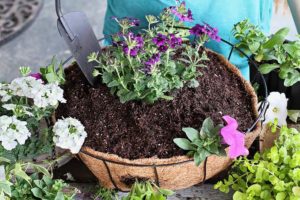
(76, 30)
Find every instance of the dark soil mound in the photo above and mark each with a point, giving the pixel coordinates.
(138, 130)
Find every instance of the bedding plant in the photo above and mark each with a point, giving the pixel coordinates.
(161, 95)
(29, 149)
(278, 58)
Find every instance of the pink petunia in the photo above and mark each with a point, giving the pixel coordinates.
(234, 138)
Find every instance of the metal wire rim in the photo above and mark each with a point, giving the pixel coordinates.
(261, 113)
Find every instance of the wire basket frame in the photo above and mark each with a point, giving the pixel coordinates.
(261, 114)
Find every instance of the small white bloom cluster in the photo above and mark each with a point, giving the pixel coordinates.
(12, 132)
(19, 109)
(43, 95)
(277, 108)
(69, 134)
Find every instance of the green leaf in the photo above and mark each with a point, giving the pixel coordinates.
(5, 187)
(277, 39)
(113, 83)
(59, 196)
(207, 127)
(267, 68)
(166, 192)
(294, 115)
(239, 196)
(296, 191)
(183, 143)
(40, 169)
(254, 47)
(280, 196)
(37, 192)
(191, 133)
(5, 160)
(19, 172)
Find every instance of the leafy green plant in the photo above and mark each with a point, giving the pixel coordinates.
(147, 191)
(273, 53)
(148, 66)
(203, 143)
(52, 73)
(273, 175)
(105, 194)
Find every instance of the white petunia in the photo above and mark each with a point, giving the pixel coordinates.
(69, 134)
(13, 132)
(277, 108)
(18, 109)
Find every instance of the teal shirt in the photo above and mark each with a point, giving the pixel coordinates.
(222, 14)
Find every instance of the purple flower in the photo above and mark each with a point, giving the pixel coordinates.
(174, 41)
(133, 51)
(182, 13)
(37, 76)
(160, 39)
(163, 48)
(149, 65)
(206, 29)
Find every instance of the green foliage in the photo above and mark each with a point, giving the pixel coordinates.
(44, 188)
(53, 74)
(105, 194)
(273, 52)
(294, 115)
(273, 175)
(124, 74)
(147, 191)
(203, 143)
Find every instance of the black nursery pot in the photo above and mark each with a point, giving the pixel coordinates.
(274, 83)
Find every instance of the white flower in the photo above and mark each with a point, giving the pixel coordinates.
(277, 108)
(69, 133)
(12, 132)
(26, 86)
(5, 93)
(50, 95)
(2, 173)
(18, 109)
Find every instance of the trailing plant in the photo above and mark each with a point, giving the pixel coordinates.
(148, 66)
(274, 52)
(274, 174)
(212, 140)
(147, 191)
(53, 74)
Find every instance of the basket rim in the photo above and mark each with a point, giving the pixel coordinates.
(175, 160)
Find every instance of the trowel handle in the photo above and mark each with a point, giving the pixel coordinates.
(58, 8)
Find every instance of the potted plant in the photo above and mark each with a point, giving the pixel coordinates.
(30, 145)
(278, 59)
(156, 85)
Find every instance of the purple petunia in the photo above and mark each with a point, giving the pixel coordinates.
(205, 29)
(37, 76)
(149, 65)
(181, 13)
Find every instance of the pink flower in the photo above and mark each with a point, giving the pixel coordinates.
(37, 76)
(234, 138)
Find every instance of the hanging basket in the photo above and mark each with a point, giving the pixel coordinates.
(173, 173)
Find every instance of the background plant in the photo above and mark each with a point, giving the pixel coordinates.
(274, 52)
(203, 143)
(147, 191)
(273, 175)
(148, 66)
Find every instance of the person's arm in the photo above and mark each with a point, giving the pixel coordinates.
(295, 9)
